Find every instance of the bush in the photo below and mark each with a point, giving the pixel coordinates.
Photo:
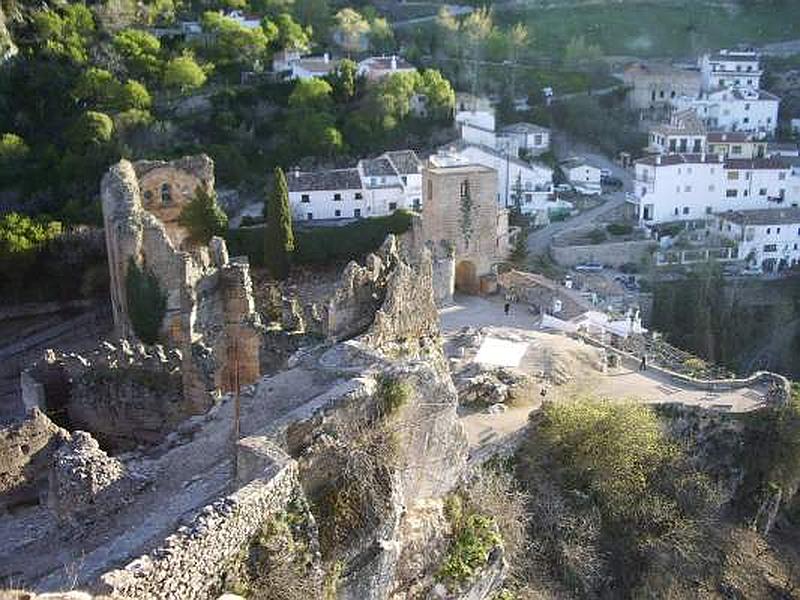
(323, 245)
(619, 228)
(393, 395)
(203, 217)
(475, 538)
(147, 304)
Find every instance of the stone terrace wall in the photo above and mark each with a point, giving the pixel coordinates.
(192, 562)
(611, 254)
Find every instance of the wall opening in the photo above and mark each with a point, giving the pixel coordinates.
(467, 277)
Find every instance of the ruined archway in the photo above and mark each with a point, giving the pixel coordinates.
(467, 277)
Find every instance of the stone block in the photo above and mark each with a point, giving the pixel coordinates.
(257, 457)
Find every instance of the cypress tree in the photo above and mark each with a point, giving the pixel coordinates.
(279, 237)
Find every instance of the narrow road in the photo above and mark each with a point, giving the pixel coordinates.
(457, 10)
(564, 147)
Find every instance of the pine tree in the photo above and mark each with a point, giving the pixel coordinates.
(279, 237)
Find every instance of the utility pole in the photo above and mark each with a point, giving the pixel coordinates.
(236, 406)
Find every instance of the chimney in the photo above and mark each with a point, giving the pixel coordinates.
(326, 58)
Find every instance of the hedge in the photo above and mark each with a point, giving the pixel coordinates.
(322, 245)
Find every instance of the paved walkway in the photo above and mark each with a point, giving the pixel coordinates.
(649, 387)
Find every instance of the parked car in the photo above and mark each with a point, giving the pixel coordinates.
(563, 188)
(589, 267)
(612, 182)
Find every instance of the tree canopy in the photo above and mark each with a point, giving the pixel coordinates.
(203, 217)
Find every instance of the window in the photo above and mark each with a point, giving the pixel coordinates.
(746, 120)
(708, 210)
(373, 181)
(733, 175)
(762, 192)
(430, 190)
(769, 230)
(465, 189)
(744, 192)
(337, 213)
(148, 195)
(736, 149)
(746, 106)
(392, 206)
(309, 216)
(305, 198)
(673, 145)
(689, 170)
(528, 198)
(698, 146)
(677, 211)
(417, 204)
(771, 248)
(661, 94)
(778, 231)
(672, 94)
(687, 188)
(677, 189)
(337, 196)
(731, 193)
(686, 210)
(781, 176)
(404, 179)
(357, 213)
(166, 195)
(537, 139)
(712, 187)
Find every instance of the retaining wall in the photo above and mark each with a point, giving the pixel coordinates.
(611, 254)
(191, 563)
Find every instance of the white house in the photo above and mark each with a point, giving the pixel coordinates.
(378, 67)
(735, 109)
(728, 68)
(248, 21)
(292, 65)
(583, 175)
(375, 187)
(476, 127)
(685, 132)
(736, 144)
(532, 183)
(766, 238)
(529, 138)
(684, 187)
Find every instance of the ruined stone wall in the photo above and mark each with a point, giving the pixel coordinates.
(192, 562)
(126, 395)
(26, 452)
(210, 313)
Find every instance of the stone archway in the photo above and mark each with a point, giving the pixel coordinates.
(467, 277)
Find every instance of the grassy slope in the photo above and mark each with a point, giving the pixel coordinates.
(663, 29)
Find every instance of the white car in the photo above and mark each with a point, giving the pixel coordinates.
(563, 188)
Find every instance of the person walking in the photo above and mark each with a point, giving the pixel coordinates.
(643, 363)
(507, 308)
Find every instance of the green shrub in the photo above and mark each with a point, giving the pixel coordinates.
(393, 394)
(476, 537)
(323, 245)
(619, 228)
(147, 304)
(203, 217)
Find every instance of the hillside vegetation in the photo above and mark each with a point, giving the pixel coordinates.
(628, 501)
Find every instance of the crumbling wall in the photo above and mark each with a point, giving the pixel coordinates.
(26, 452)
(85, 483)
(192, 562)
(210, 314)
(126, 395)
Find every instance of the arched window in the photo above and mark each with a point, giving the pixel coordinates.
(166, 195)
(465, 189)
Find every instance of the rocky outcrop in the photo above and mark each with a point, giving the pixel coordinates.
(26, 452)
(7, 46)
(85, 483)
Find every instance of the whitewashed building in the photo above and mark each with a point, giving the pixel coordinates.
(766, 238)
(736, 144)
(735, 109)
(730, 68)
(291, 64)
(532, 183)
(686, 187)
(685, 132)
(374, 187)
(378, 67)
(527, 138)
(477, 127)
(583, 175)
